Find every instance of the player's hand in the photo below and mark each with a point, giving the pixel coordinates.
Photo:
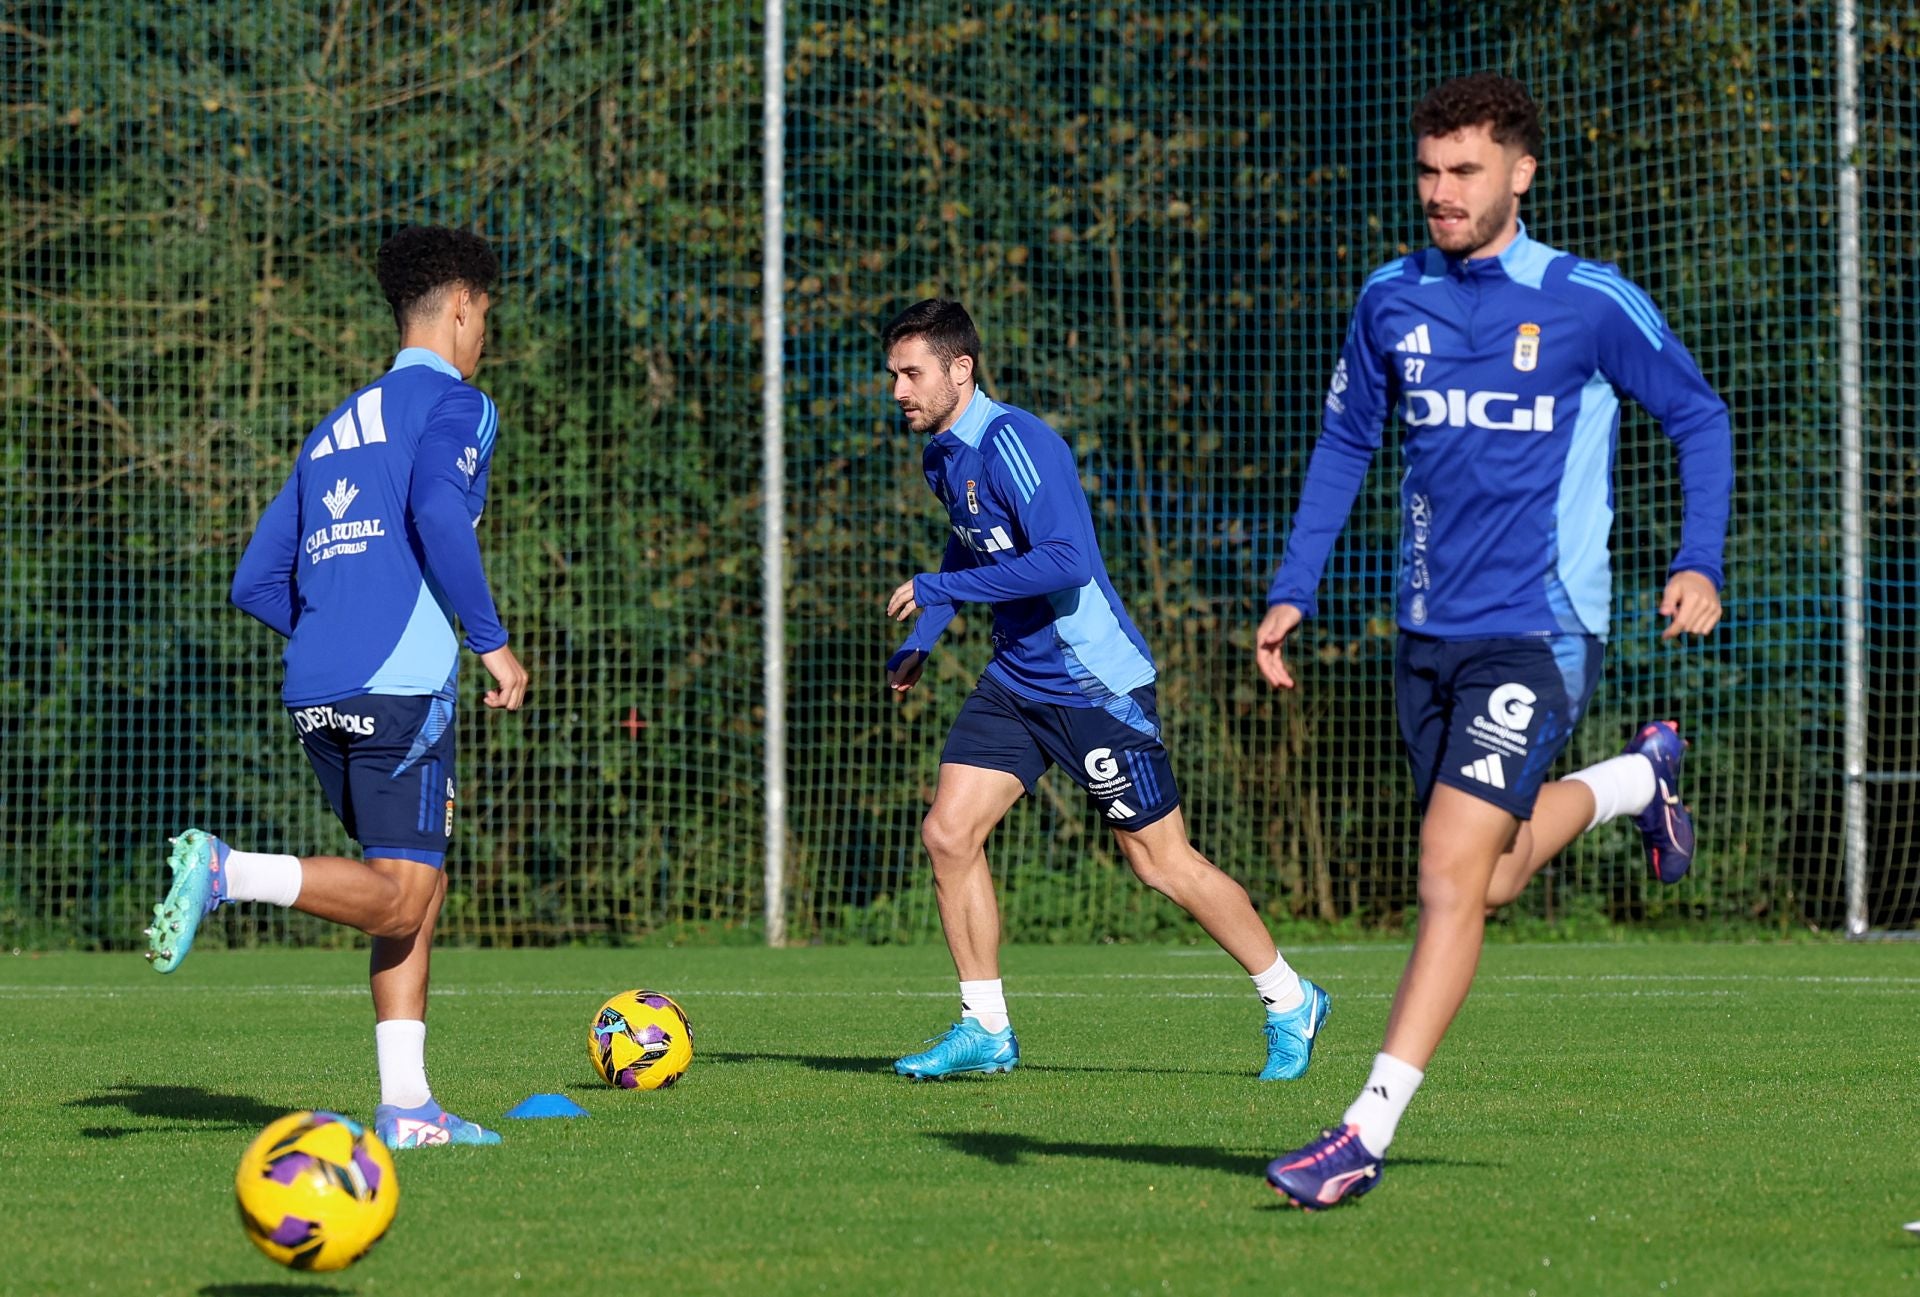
(904, 668)
(509, 679)
(901, 603)
(1280, 621)
(1691, 605)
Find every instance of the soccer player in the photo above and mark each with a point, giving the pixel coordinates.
(1504, 358)
(1070, 682)
(363, 560)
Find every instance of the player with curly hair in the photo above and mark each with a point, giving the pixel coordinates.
(1505, 359)
(363, 561)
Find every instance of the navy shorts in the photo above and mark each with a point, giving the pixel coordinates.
(1489, 716)
(1113, 752)
(386, 764)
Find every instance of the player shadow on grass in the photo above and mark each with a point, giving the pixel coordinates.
(1008, 1149)
(842, 1063)
(176, 1103)
(818, 1062)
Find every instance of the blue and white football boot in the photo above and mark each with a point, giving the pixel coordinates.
(425, 1127)
(1334, 1167)
(1290, 1035)
(967, 1047)
(198, 861)
(1666, 826)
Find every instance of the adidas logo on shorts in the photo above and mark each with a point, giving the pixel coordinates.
(1486, 770)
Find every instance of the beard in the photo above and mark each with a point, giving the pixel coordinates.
(1479, 232)
(933, 410)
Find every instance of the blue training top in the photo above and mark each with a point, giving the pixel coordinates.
(1023, 541)
(1506, 372)
(368, 552)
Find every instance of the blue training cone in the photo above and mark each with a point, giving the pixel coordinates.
(545, 1105)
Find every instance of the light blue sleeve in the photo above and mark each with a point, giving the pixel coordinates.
(1640, 356)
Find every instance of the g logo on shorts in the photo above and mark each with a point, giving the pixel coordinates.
(1511, 705)
(1113, 752)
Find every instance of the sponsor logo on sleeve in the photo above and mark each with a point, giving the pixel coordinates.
(1336, 386)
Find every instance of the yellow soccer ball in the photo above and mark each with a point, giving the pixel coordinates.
(640, 1041)
(316, 1191)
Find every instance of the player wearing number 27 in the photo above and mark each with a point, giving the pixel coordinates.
(1070, 683)
(1504, 360)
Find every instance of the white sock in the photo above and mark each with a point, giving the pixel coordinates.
(985, 1003)
(401, 1045)
(1377, 1111)
(1279, 986)
(254, 876)
(1621, 785)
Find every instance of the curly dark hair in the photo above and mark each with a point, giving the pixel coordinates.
(943, 325)
(418, 261)
(1483, 99)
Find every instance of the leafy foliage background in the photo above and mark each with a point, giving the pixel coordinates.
(1158, 213)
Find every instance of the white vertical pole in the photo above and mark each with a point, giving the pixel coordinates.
(1852, 470)
(773, 565)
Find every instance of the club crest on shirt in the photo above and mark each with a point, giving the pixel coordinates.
(973, 497)
(1526, 348)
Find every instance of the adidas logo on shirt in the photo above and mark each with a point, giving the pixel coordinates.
(1119, 810)
(1416, 343)
(346, 435)
(1486, 770)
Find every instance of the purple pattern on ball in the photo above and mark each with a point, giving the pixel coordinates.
(628, 1079)
(654, 1001)
(326, 1119)
(649, 1035)
(369, 1170)
(292, 1231)
(285, 1170)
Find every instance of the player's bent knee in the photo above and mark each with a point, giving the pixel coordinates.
(1449, 890)
(947, 841)
(416, 890)
(1176, 874)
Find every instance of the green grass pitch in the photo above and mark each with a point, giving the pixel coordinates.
(1659, 1119)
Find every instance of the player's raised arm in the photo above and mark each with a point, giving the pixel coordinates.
(263, 585)
(1036, 481)
(907, 661)
(1641, 356)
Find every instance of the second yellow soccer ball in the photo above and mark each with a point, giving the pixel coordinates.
(640, 1040)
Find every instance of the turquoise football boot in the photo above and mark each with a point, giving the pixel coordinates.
(967, 1047)
(198, 862)
(1290, 1035)
(425, 1127)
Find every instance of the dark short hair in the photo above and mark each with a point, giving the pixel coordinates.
(418, 261)
(1484, 99)
(943, 325)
